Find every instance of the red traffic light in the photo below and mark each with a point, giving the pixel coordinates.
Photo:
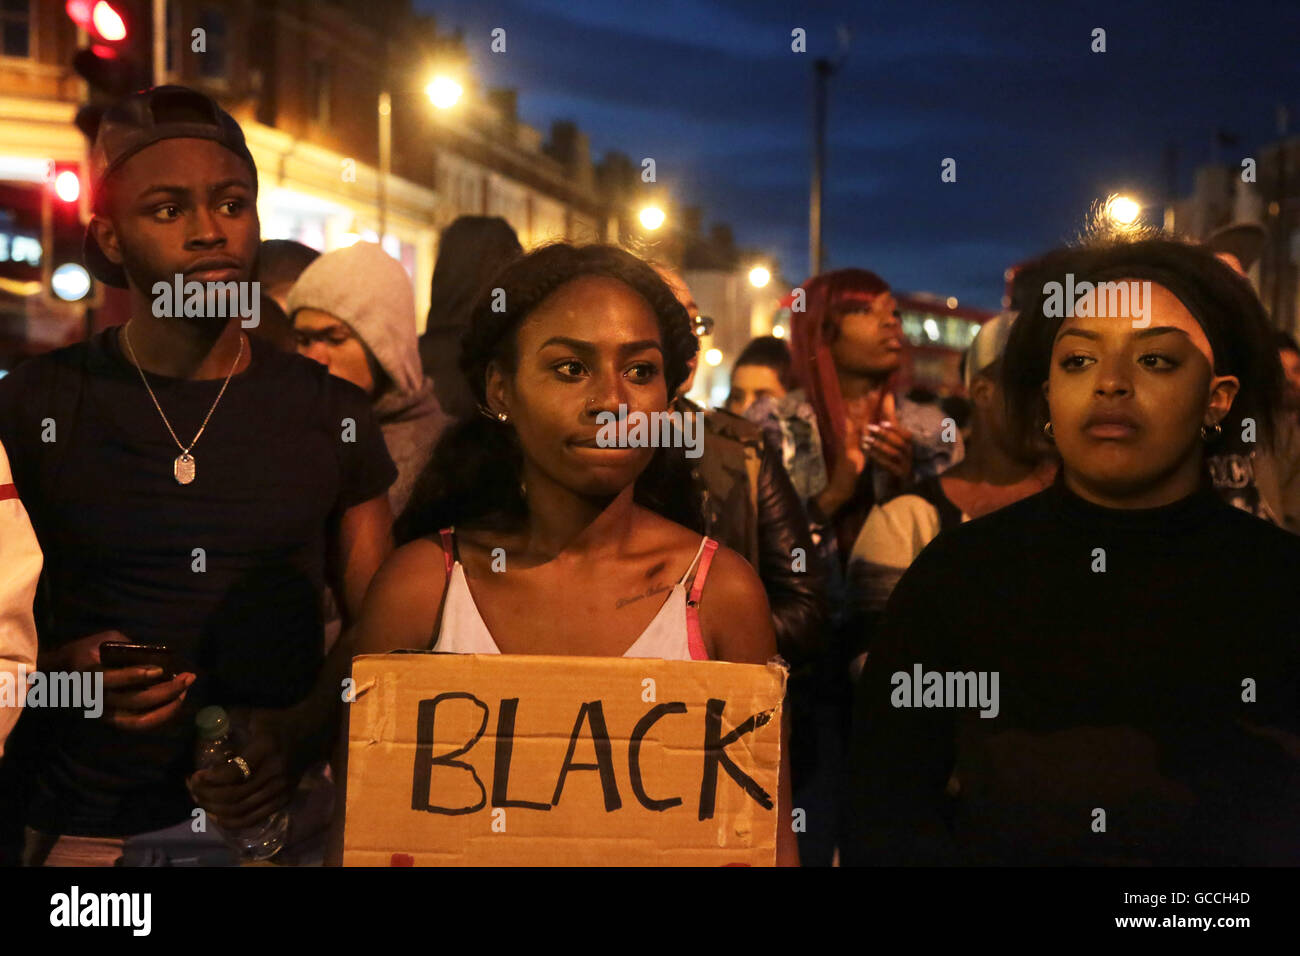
(67, 185)
(64, 182)
(99, 18)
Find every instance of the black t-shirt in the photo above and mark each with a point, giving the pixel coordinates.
(227, 571)
(1119, 690)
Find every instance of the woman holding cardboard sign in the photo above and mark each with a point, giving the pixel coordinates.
(530, 532)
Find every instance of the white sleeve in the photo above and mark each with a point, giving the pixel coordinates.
(20, 568)
(896, 532)
(893, 535)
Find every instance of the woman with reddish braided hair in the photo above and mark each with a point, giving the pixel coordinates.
(566, 340)
(847, 344)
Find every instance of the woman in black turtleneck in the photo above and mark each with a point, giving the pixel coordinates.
(1144, 636)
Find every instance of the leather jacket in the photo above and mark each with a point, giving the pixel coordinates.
(749, 505)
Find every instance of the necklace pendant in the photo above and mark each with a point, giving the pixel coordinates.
(183, 468)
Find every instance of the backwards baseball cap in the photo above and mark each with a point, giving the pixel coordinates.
(140, 120)
(989, 344)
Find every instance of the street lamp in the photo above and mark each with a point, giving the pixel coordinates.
(759, 277)
(713, 357)
(652, 217)
(1122, 211)
(444, 93)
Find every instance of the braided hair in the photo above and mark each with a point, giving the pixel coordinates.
(474, 474)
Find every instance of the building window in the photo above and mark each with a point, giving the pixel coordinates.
(318, 91)
(212, 63)
(15, 27)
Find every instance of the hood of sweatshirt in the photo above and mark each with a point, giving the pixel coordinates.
(369, 290)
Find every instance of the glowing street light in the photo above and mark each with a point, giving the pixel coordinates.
(652, 217)
(1122, 211)
(713, 357)
(444, 92)
(778, 331)
(759, 277)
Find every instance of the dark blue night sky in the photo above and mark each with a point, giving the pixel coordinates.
(1039, 125)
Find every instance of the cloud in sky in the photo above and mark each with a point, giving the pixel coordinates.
(1039, 125)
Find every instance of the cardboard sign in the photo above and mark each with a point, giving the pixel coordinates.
(485, 759)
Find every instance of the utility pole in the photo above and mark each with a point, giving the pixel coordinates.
(1281, 260)
(385, 158)
(822, 72)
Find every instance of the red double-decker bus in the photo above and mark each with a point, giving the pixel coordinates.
(937, 336)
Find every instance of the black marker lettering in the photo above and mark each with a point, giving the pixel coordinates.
(425, 761)
(501, 771)
(634, 755)
(594, 711)
(715, 752)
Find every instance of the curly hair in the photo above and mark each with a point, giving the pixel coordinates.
(1223, 302)
(473, 476)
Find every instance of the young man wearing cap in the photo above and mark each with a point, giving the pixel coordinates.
(191, 488)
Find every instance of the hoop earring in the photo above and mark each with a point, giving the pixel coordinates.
(1211, 433)
(1049, 432)
(486, 412)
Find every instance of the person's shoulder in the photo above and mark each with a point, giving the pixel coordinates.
(295, 377)
(738, 575)
(416, 568)
(733, 426)
(419, 555)
(677, 539)
(289, 369)
(1254, 537)
(47, 365)
(402, 601)
(38, 385)
(994, 537)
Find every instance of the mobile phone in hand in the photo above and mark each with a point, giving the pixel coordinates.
(114, 654)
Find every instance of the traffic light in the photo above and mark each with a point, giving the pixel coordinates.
(117, 60)
(64, 211)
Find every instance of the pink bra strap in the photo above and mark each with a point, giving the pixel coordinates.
(694, 636)
(447, 559)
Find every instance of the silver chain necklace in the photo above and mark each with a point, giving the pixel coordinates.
(184, 465)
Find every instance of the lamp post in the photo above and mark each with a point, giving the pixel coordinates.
(444, 93)
(385, 158)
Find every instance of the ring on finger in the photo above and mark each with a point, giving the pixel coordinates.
(242, 764)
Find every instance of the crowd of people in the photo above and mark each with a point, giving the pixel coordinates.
(1051, 622)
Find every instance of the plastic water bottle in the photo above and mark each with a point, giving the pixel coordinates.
(218, 744)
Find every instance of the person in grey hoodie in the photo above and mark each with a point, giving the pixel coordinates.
(353, 310)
